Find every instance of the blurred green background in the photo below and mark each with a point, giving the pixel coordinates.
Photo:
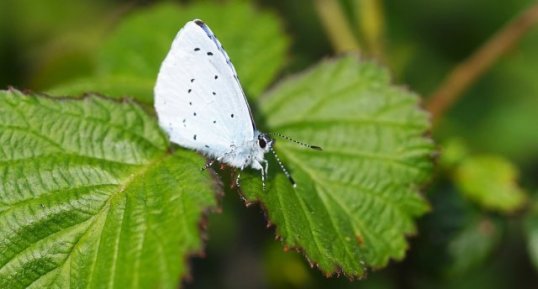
(464, 242)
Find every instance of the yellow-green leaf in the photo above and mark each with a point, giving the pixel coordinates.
(491, 181)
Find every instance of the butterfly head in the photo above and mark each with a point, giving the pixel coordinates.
(265, 142)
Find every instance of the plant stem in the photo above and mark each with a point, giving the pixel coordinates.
(336, 25)
(464, 74)
(371, 22)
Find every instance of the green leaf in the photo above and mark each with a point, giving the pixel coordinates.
(531, 228)
(356, 200)
(91, 198)
(114, 86)
(491, 181)
(135, 50)
(473, 245)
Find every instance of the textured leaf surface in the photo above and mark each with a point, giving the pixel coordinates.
(90, 198)
(490, 181)
(356, 200)
(135, 50)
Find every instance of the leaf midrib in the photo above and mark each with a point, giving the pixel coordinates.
(314, 176)
(327, 256)
(99, 214)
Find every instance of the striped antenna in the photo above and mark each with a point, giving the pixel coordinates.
(284, 169)
(296, 141)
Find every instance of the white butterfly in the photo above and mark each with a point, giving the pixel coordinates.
(201, 105)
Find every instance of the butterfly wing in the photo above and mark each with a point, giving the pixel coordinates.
(198, 97)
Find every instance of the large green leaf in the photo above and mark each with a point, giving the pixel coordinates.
(91, 198)
(355, 201)
(135, 50)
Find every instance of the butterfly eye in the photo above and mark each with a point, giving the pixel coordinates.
(262, 143)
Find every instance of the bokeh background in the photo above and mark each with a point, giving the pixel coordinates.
(460, 244)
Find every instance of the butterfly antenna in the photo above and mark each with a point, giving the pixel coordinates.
(292, 181)
(296, 141)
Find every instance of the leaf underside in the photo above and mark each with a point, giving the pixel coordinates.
(356, 200)
(91, 198)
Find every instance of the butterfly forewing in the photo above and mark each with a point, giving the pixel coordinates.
(198, 98)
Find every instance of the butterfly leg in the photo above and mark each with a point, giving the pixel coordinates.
(207, 165)
(264, 173)
(237, 180)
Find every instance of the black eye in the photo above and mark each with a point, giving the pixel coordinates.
(262, 143)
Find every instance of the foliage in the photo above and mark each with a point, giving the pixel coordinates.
(129, 60)
(90, 196)
(473, 245)
(490, 181)
(356, 199)
(93, 195)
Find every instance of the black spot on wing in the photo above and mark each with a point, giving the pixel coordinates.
(194, 137)
(196, 49)
(209, 53)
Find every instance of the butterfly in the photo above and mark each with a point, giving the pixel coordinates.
(201, 105)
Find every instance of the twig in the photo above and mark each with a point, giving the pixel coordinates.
(336, 26)
(473, 67)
